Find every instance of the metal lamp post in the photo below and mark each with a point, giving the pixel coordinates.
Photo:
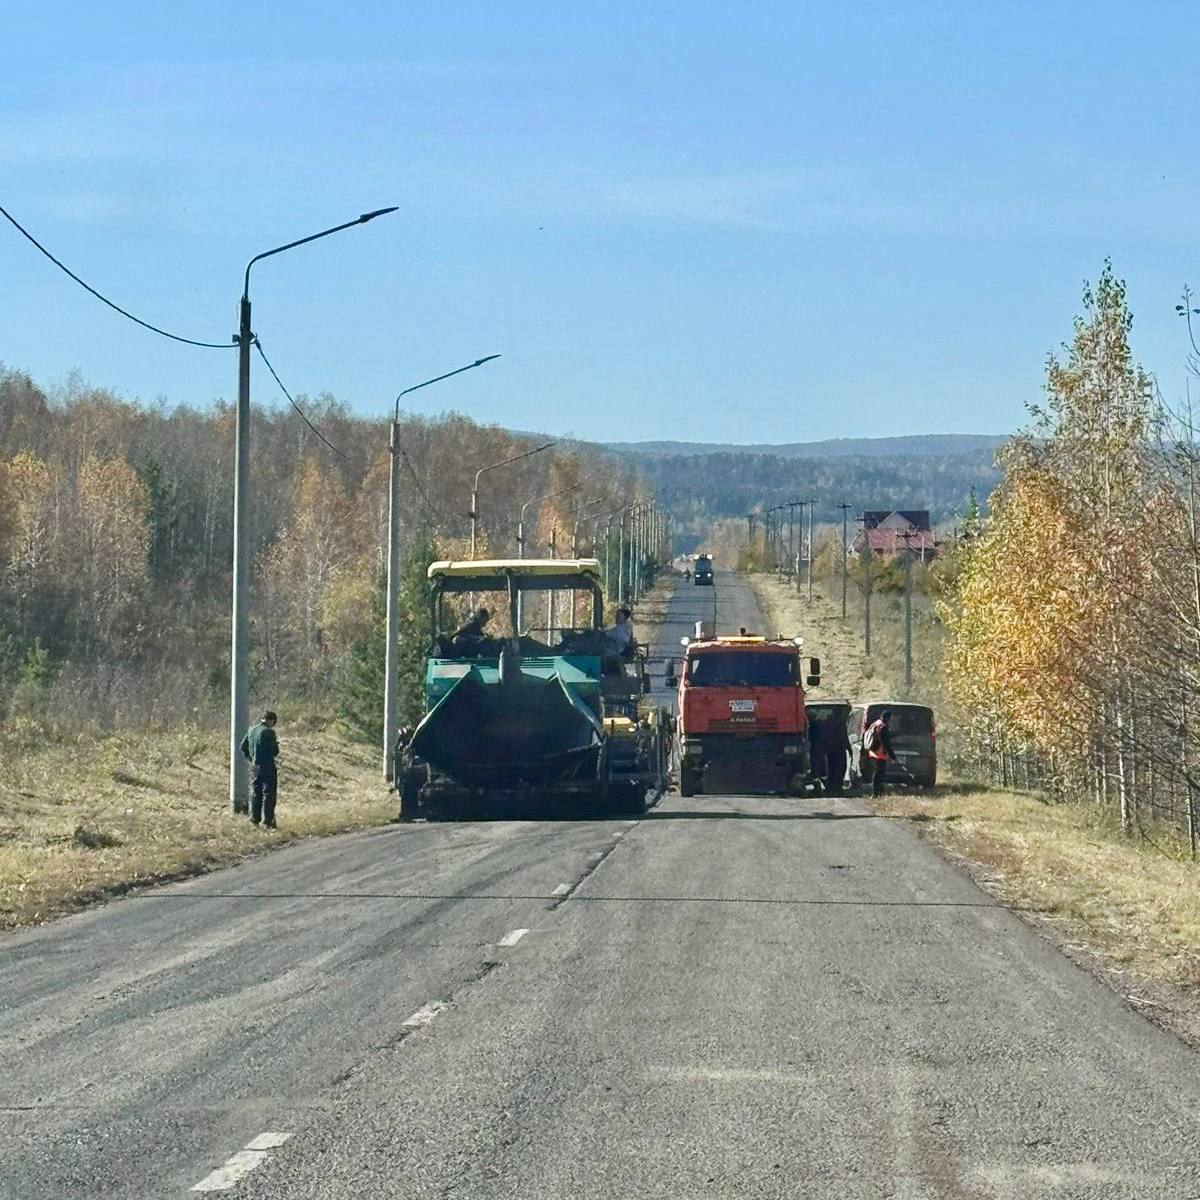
(474, 513)
(391, 679)
(521, 539)
(537, 500)
(239, 702)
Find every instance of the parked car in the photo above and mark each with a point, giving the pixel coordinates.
(914, 739)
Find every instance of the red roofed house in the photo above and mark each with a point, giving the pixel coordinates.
(891, 533)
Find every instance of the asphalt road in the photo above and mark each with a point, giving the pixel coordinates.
(732, 997)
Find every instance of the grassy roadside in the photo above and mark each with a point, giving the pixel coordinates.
(91, 817)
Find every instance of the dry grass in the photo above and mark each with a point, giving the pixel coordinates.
(1130, 905)
(84, 819)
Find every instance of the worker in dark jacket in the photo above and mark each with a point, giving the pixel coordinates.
(837, 752)
(261, 748)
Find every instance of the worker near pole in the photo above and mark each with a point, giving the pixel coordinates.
(260, 747)
(877, 742)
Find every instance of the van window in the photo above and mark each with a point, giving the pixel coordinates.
(906, 719)
(735, 668)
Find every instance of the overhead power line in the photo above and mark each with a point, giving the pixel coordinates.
(429, 504)
(292, 402)
(104, 299)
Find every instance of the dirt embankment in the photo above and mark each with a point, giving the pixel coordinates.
(846, 671)
(87, 818)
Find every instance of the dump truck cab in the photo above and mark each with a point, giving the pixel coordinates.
(742, 725)
(535, 703)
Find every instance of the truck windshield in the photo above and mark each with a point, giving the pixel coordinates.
(743, 668)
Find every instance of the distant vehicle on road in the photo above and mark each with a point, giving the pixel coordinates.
(703, 574)
(914, 739)
(742, 725)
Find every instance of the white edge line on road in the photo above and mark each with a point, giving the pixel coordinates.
(561, 890)
(511, 939)
(424, 1016)
(239, 1165)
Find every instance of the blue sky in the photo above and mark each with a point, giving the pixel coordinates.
(750, 222)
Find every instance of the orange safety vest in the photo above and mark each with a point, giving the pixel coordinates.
(877, 751)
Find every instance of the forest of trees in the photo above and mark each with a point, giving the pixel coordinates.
(1074, 633)
(116, 547)
(700, 488)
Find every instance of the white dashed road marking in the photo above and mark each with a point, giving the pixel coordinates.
(424, 1016)
(561, 890)
(241, 1164)
(511, 939)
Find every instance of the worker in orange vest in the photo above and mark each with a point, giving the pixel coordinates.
(877, 744)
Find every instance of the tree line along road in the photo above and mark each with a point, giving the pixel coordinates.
(731, 997)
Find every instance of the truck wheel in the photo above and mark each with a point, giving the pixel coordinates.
(689, 780)
(410, 795)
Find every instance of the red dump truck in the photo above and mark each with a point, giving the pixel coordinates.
(741, 722)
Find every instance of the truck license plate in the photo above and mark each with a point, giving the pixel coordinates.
(741, 706)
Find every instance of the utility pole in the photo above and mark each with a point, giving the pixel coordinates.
(239, 664)
(907, 621)
(868, 587)
(845, 552)
(812, 505)
(474, 513)
(391, 673)
(792, 560)
(907, 617)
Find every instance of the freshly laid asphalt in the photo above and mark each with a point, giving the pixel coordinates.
(731, 997)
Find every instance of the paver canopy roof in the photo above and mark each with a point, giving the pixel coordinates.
(498, 568)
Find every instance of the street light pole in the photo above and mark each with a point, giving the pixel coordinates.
(812, 507)
(239, 692)
(391, 672)
(474, 513)
(845, 552)
(538, 500)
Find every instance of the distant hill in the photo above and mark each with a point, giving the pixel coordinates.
(701, 483)
(922, 445)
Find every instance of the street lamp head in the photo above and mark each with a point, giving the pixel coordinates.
(480, 361)
(379, 212)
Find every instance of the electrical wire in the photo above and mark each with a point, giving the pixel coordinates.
(429, 504)
(292, 402)
(104, 299)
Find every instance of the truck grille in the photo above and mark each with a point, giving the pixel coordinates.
(754, 725)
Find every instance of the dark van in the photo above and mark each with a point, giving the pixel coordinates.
(703, 575)
(914, 739)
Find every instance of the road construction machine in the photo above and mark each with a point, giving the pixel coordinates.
(742, 725)
(535, 707)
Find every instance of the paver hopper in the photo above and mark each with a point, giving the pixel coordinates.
(535, 707)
